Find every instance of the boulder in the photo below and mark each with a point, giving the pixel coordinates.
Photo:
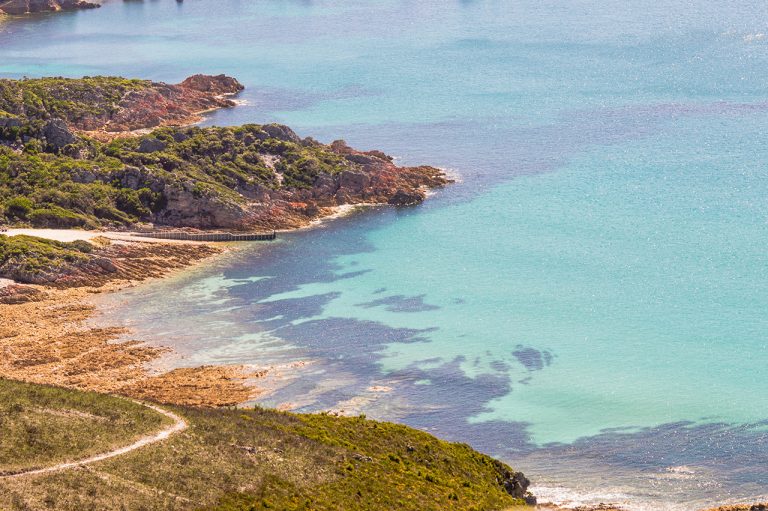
(10, 122)
(340, 147)
(516, 484)
(324, 186)
(57, 134)
(354, 182)
(219, 84)
(189, 207)
(281, 132)
(406, 198)
(151, 145)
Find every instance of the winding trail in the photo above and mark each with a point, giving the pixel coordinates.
(178, 426)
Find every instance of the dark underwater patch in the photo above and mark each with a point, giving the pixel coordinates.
(400, 303)
(531, 358)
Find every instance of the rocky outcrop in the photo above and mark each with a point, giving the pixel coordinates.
(57, 135)
(516, 484)
(16, 293)
(219, 84)
(373, 179)
(249, 177)
(359, 177)
(85, 268)
(105, 107)
(743, 507)
(17, 7)
(162, 104)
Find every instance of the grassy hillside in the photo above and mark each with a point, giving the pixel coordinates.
(255, 459)
(41, 425)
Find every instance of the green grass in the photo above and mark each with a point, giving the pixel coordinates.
(235, 459)
(41, 426)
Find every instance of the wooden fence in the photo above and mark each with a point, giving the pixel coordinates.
(207, 236)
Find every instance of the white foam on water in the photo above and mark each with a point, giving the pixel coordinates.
(568, 497)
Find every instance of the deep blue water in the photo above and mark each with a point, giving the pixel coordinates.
(587, 302)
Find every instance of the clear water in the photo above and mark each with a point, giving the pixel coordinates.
(588, 301)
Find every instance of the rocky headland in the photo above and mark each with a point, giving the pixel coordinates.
(108, 107)
(119, 153)
(19, 7)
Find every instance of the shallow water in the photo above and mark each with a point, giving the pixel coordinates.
(588, 301)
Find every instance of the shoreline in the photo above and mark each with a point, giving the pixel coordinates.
(48, 339)
(176, 385)
(63, 350)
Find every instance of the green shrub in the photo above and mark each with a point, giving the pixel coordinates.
(18, 207)
(57, 217)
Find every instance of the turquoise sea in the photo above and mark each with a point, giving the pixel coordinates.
(589, 301)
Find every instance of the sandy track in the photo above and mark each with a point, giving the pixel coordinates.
(178, 426)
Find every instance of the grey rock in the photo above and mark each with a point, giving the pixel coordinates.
(406, 198)
(362, 159)
(354, 182)
(516, 484)
(180, 136)
(281, 132)
(57, 134)
(324, 186)
(9, 122)
(151, 145)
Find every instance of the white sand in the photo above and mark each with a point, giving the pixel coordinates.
(73, 235)
(55, 234)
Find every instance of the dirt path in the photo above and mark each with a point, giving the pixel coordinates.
(178, 425)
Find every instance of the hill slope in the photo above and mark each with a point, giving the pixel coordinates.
(259, 459)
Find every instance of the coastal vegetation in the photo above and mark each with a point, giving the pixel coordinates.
(90, 184)
(235, 459)
(32, 256)
(41, 425)
(67, 99)
(70, 157)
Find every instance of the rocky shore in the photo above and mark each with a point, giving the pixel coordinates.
(117, 153)
(44, 336)
(743, 507)
(19, 7)
(106, 152)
